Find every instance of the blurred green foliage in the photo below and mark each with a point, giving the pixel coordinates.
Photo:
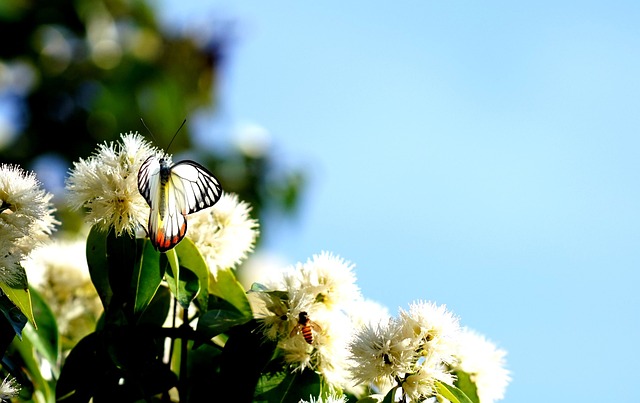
(76, 73)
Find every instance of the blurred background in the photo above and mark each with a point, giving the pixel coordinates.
(483, 156)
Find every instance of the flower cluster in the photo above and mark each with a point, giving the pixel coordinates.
(26, 221)
(225, 233)
(60, 273)
(306, 312)
(412, 350)
(106, 185)
(485, 363)
(317, 316)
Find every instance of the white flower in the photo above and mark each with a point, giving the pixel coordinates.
(381, 356)
(485, 363)
(368, 312)
(332, 398)
(225, 233)
(59, 272)
(106, 185)
(9, 388)
(26, 219)
(409, 351)
(329, 280)
(433, 329)
(311, 299)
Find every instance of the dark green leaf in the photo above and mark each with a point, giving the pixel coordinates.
(451, 393)
(147, 275)
(98, 265)
(390, 396)
(81, 372)
(294, 387)
(465, 384)
(158, 309)
(245, 345)
(190, 257)
(121, 258)
(32, 364)
(217, 321)
(269, 381)
(186, 288)
(369, 399)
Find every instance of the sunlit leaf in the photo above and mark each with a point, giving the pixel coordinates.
(46, 339)
(225, 285)
(451, 393)
(466, 385)
(172, 275)
(190, 257)
(22, 300)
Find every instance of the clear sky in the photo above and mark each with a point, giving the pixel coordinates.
(481, 155)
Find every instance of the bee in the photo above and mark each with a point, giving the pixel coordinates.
(305, 326)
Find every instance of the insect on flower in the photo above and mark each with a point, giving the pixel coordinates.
(305, 326)
(172, 192)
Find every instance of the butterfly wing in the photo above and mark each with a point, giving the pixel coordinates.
(196, 187)
(189, 187)
(149, 179)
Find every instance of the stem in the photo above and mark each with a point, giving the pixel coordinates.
(184, 351)
(172, 335)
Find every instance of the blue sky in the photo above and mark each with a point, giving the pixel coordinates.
(482, 155)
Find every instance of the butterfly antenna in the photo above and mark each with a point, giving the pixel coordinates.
(177, 131)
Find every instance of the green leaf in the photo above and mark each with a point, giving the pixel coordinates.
(269, 381)
(294, 387)
(17, 278)
(121, 258)
(81, 373)
(185, 288)
(217, 321)
(147, 276)
(465, 384)
(451, 393)
(46, 339)
(190, 257)
(225, 286)
(158, 308)
(22, 300)
(390, 396)
(172, 275)
(243, 358)
(32, 364)
(98, 265)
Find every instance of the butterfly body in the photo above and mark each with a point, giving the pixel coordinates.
(172, 192)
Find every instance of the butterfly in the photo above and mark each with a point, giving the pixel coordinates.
(172, 192)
